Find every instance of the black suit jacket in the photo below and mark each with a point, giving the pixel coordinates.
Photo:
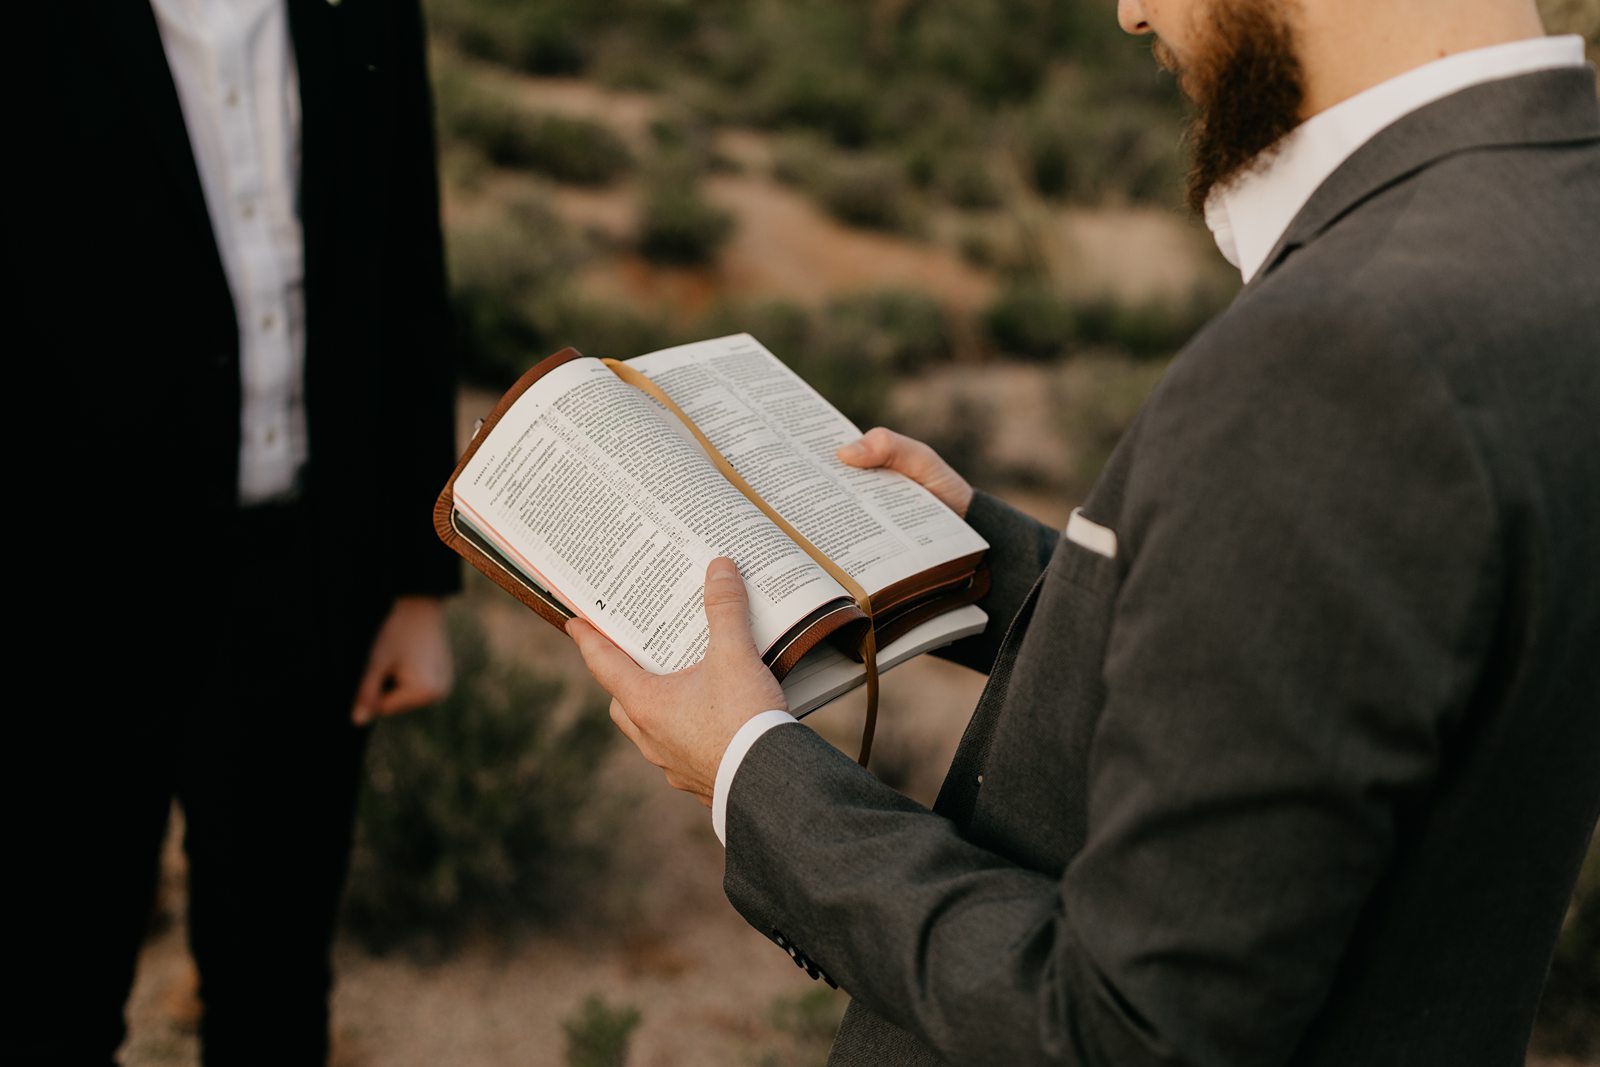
(134, 355)
(1301, 772)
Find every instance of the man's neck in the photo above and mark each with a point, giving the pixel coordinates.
(1347, 46)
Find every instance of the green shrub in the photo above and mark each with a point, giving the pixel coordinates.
(574, 150)
(479, 814)
(1571, 1001)
(900, 331)
(838, 102)
(547, 37)
(677, 223)
(1031, 321)
(800, 160)
(966, 180)
(810, 1018)
(868, 191)
(600, 1035)
(1095, 398)
(1086, 151)
(1155, 327)
(509, 276)
(600, 328)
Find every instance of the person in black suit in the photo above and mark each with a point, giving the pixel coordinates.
(198, 640)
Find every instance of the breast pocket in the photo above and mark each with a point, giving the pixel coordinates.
(1087, 555)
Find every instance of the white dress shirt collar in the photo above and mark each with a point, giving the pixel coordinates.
(1248, 215)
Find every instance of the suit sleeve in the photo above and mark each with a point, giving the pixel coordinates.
(418, 331)
(1307, 592)
(1019, 548)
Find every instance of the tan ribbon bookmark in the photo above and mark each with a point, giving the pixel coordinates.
(869, 644)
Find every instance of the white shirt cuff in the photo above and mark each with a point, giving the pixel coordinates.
(732, 756)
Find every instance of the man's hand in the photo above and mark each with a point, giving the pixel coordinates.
(885, 448)
(409, 665)
(683, 722)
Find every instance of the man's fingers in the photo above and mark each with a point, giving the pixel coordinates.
(611, 667)
(619, 716)
(880, 447)
(368, 694)
(875, 448)
(728, 607)
(407, 695)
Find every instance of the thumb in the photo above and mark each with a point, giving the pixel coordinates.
(613, 668)
(727, 607)
(369, 694)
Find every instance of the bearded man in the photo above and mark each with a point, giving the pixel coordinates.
(1291, 748)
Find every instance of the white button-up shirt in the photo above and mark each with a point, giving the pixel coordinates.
(233, 65)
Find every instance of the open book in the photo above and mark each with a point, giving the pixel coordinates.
(583, 495)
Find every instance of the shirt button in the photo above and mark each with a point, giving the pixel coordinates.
(248, 210)
(268, 321)
(232, 99)
(272, 436)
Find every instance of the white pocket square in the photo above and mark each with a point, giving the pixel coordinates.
(1101, 540)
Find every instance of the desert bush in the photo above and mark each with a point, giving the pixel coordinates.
(600, 328)
(1030, 320)
(600, 1035)
(479, 814)
(1095, 398)
(1088, 152)
(1571, 1001)
(838, 102)
(472, 111)
(894, 329)
(998, 52)
(677, 224)
(808, 1021)
(548, 37)
(868, 191)
(509, 276)
(1158, 326)
(800, 160)
(1033, 321)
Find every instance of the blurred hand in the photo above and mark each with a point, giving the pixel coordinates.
(409, 665)
(683, 722)
(885, 448)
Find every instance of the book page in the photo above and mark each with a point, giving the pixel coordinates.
(826, 673)
(780, 435)
(587, 484)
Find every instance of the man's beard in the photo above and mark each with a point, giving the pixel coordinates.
(1246, 84)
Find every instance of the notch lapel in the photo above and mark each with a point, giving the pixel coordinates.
(132, 45)
(1535, 108)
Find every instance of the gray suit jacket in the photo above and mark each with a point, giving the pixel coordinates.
(1304, 772)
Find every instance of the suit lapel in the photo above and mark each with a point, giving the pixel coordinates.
(131, 42)
(1535, 108)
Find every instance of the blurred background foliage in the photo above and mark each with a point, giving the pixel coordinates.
(481, 815)
(963, 217)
